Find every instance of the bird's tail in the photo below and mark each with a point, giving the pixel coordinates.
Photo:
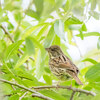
(77, 80)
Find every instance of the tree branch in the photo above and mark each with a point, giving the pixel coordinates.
(9, 36)
(36, 95)
(73, 93)
(23, 95)
(27, 89)
(67, 87)
(7, 33)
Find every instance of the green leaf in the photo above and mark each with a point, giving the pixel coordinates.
(47, 79)
(81, 35)
(40, 62)
(5, 76)
(42, 31)
(12, 5)
(21, 60)
(28, 31)
(2, 46)
(70, 36)
(93, 74)
(95, 85)
(14, 97)
(67, 5)
(59, 3)
(38, 65)
(56, 40)
(10, 26)
(95, 14)
(89, 34)
(37, 43)
(17, 35)
(59, 29)
(64, 48)
(7, 89)
(93, 4)
(72, 20)
(18, 16)
(83, 97)
(33, 14)
(25, 24)
(90, 60)
(1, 33)
(84, 27)
(12, 49)
(98, 3)
(75, 2)
(39, 6)
(52, 94)
(47, 70)
(48, 7)
(26, 76)
(29, 46)
(6, 68)
(97, 97)
(75, 27)
(98, 43)
(50, 37)
(4, 18)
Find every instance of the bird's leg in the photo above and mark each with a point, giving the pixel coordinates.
(57, 84)
(71, 83)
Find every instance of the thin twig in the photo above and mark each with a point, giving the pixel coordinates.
(7, 95)
(23, 95)
(7, 33)
(36, 95)
(13, 87)
(9, 36)
(67, 87)
(73, 93)
(27, 89)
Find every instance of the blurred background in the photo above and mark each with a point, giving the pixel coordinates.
(27, 27)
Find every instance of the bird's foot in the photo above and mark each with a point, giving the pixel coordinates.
(70, 86)
(57, 86)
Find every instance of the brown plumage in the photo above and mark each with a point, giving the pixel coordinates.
(61, 66)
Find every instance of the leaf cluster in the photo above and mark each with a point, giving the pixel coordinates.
(40, 24)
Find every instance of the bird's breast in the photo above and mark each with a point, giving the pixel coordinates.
(60, 73)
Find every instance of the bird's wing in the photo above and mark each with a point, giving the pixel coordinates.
(64, 62)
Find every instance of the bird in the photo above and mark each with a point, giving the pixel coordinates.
(61, 66)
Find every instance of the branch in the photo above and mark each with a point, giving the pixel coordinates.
(7, 33)
(27, 89)
(9, 36)
(23, 95)
(67, 87)
(36, 95)
(73, 93)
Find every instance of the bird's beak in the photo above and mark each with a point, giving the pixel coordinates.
(47, 49)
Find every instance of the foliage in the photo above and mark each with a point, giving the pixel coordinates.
(29, 27)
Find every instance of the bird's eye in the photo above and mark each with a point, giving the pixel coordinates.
(52, 49)
(77, 70)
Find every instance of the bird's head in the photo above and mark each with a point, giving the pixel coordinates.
(54, 51)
